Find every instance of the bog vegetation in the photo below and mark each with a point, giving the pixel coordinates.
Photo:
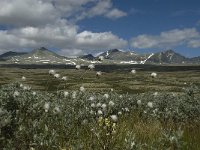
(105, 120)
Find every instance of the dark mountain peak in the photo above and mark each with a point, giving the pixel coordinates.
(43, 52)
(43, 49)
(10, 54)
(111, 52)
(195, 59)
(39, 56)
(114, 50)
(167, 56)
(119, 55)
(88, 56)
(169, 51)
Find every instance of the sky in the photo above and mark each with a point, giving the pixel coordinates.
(77, 27)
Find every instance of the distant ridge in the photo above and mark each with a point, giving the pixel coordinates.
(88, 57)
(168, 56)
(8, 55)
(195, 59)
(44, 52)
(38, 56)
(114, 56)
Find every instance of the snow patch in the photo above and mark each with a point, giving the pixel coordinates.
(95, 62)
(35, 57)
(83, 60)
(129, 62)
(44, 60)
(107, 54)
(144, 61)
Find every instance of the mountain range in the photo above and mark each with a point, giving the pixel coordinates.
(44, 56)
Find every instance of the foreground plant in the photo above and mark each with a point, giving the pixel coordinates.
(84, 120)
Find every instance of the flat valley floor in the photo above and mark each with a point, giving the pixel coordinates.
(119, 78)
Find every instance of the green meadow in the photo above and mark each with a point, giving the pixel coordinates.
(113, 111)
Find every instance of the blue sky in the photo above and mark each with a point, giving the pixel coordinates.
(75, 27)
(150, 17)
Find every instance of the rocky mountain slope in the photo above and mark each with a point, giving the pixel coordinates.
(168, 56)
(114, 56)
(10, 54)
(125, 57)
(38, 56)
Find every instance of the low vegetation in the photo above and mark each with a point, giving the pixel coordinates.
(102, 120)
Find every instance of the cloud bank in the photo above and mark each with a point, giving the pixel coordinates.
(168, 39)
(52, 23)
(29, 24)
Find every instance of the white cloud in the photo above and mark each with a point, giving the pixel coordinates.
(27, 12)
(12, 41)
(68, 8)
(144, 41)
(89, 42)
(104, 40)
(36, 23)
(71, 52)
(102, 8)
(42, 12)
(198, 23)
(166, 39)
(60, 35)
(194, 43)
(56, 35)
(115, 13)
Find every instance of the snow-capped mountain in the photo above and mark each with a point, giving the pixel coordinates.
(168, 56)
(87, 57)
(125, 57)
(8, 55)
(38, 56)
(114, 56)
(195, 59)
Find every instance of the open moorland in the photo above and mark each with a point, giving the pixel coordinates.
(118, 109)
(117, 77)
